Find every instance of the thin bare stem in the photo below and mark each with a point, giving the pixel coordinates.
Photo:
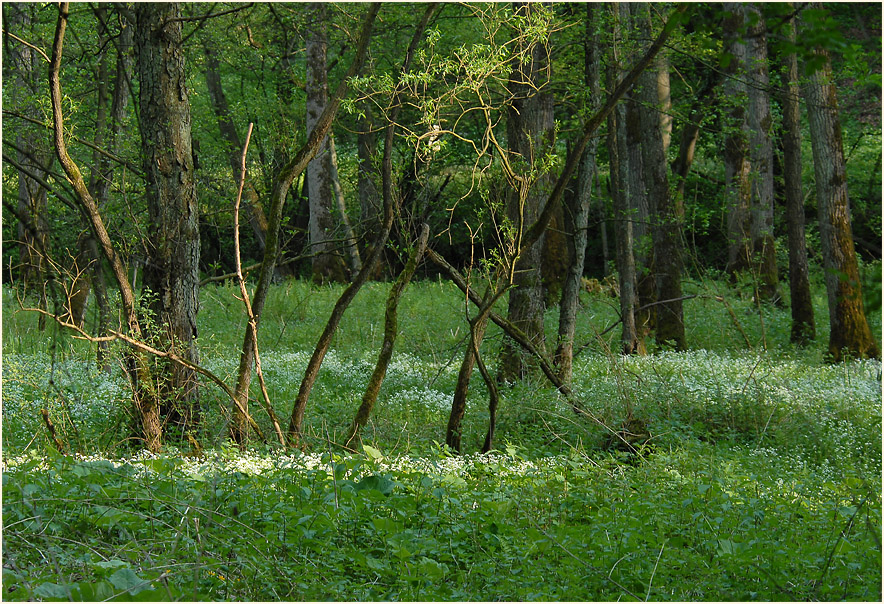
(247, 303)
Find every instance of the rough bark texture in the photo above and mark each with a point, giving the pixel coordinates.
(530, 132)
(803, 322)
(759, 121)
(669, 212)
(849, 331)
(325, 236)
(738, 188)
(172, 270)
(577, 209)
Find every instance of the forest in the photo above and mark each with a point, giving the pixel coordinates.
(448, 301)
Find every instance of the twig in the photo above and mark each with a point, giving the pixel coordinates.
(51, 428)
(253, 322)
(28, 44)
(653, 572)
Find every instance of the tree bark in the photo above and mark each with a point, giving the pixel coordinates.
(324, 232)
(667, 234)
(390, 332)
(172, 270)
(150, 428)
(530, 135)
(849, 334)
(803, 322)
(623, 191)
(738, 187)
(33, 235)
(368, 268)
(577, 209)
(759, 122)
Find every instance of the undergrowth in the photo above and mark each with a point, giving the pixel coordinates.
(760, 478)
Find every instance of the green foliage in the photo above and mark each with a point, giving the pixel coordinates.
(761, 478)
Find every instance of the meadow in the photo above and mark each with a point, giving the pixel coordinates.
(760, 480)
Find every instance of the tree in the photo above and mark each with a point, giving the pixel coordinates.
(624, 191)
(738, 189)
(33, 160)
(667, 209)
(171, 273)
(759, 123)
(577, 206)
(530, 136)
(849, 333)
(803, 323)
(322, 173)
(230, 136)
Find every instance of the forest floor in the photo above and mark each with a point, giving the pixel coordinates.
(760, 477)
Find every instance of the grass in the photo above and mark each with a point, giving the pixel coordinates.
(761, 479)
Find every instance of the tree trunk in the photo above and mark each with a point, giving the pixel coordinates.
(530, 133)
(149, 425)
(577, 209)
(764, 261)
(738, 187)
(324, 342)
(390, 332)
(849, 333)
(803, 323)
(325, 241)
(624, 190)
(172, 270)
(667, 235)
(33, 236)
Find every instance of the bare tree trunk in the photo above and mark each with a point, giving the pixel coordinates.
(390, 332)
(803, 322)
(577, 209)
(849, 333)
(759, 121)
(322, 345)
(738, 189)
(530, 132)
(668, 246)
(33, 236)
(172, 270)
(325, 239)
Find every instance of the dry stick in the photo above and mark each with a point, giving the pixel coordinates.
(247, 303)
(324, 342)
(390, 333)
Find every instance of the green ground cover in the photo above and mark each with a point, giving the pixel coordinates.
(761, 479)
